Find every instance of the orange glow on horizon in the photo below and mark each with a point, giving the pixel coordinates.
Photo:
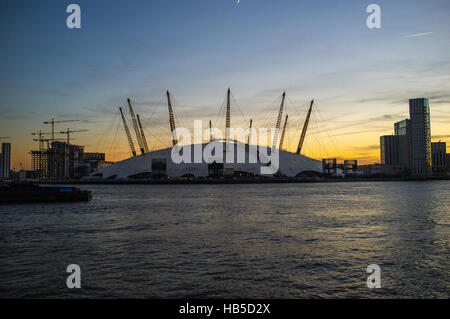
(341, 142)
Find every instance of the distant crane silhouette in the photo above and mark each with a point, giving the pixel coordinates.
(68, 132)
(52, 122)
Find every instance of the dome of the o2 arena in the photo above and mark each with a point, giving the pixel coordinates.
(160, 164)
(217, 158)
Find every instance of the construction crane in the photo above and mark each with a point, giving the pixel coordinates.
(144, 140)
(228, 116)
(277, 128)
(40, 138)
(41, 143)
(136, 128)
(52, 122)
(127, 131)
(172, 121)
(305, 127)
(250, 132)
(283, 132)
(48, 140)
(68, 132)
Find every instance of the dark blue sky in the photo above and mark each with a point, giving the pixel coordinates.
(313, 49)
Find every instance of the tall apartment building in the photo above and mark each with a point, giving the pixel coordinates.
(419, 111)
(5, 161)
(403, 127)
(393, 149)
(439, 157)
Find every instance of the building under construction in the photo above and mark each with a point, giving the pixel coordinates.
(157, 164)
(65, 161)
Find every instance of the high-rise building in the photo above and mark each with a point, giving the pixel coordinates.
(394, 150)
(403, 128)
(439, 157)
(419, 111)
(5, 161)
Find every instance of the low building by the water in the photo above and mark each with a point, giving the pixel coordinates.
(381, 170)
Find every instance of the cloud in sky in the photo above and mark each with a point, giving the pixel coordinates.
(362, 132)
(440, 136)
(416, 35)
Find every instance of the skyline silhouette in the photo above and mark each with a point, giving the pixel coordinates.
(360, 78)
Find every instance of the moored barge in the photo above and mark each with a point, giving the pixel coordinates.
(16, 193)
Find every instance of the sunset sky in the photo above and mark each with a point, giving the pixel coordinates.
(360, 78)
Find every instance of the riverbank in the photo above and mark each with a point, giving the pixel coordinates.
(245, 180)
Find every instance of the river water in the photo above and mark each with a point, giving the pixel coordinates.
(232, 241)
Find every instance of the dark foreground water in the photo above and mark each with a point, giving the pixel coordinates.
(225, 241)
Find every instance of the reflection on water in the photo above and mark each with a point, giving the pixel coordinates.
(224, 241)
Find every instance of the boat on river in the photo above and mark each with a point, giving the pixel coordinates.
(19, 192)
